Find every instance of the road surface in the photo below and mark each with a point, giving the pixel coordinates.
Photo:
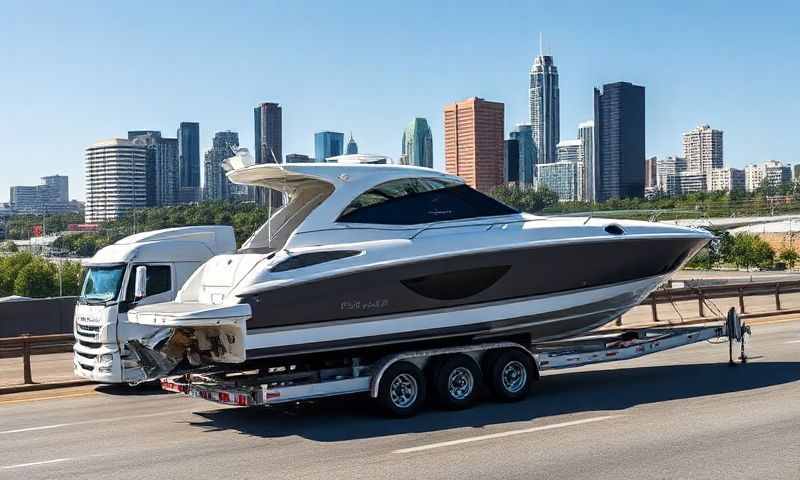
(677, 414)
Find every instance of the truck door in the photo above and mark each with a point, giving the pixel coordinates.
(161, 287)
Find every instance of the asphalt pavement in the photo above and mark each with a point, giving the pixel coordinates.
(678, 414)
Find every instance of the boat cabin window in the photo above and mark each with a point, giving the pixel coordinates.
(411, 201)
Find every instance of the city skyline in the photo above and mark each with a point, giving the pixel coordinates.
(711, 51)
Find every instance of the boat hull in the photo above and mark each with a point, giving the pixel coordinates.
(543, 317)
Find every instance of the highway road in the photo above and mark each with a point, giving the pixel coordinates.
(677, 414)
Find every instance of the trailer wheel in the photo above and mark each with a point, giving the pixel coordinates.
(456, 381)
(402, 389)
(510, 373)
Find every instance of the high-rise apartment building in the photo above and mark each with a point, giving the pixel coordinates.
(523, 134)
(511, 160)
(771, 173)
(620, 123)
(217, 185)
(417, 145)
(570, 151)
(52, 196)
(473, 142)
(352, 146)
(586, 134)
(666, 166)
(188, 162)
(565, 178)
(162, 166)
(686, 182)
(328, 144)
(268, 120)
(544, 108)
(702, 148)
(725, 179)
(116, 180)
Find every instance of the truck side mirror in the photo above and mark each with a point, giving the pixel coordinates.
(140, 287)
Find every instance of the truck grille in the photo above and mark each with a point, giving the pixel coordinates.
(85, 330)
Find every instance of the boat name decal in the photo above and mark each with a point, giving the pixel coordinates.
(364, 305)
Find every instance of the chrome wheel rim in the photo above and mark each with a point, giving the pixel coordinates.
(404, 390)
(460, 383)
(514, 376)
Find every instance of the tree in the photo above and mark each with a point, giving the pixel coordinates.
(789, 256)
(9, 246)
(39, 278)
(71, 276)
(10, 267)
(525, 199)
(751, 250)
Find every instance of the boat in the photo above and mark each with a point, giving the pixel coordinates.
(375, 256)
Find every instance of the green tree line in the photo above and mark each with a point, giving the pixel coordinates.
(27, 275)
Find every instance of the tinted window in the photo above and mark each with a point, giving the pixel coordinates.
(421, 200)
(313, 258)
(159, 280)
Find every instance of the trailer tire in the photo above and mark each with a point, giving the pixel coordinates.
(402, 390)
(509, 374)
(456, 381)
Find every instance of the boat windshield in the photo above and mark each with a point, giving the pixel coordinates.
(412, 201)
(102, 284)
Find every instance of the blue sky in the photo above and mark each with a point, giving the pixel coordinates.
(76, 72)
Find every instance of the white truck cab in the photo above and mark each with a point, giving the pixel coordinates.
(167, 259)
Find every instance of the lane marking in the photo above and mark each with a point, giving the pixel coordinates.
(89, 422)
(510, 433)
(31, 464)
(36, 399)
(793, 341)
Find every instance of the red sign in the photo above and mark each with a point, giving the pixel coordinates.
(36, 231)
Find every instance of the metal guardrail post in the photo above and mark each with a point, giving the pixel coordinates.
(654, 306)
(777, 296)
(741, 300)
(26, 360)
(700, 300)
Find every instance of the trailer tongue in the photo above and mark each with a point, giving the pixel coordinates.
(398, 380)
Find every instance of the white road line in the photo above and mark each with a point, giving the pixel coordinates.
(504, 434)
(88, 422)
(793, 341)
(31, 464)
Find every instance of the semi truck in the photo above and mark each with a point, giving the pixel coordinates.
(161, 259)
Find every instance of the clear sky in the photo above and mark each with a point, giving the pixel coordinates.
(72, 73)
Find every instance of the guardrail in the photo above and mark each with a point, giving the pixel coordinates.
(26, 345)
(701, 294)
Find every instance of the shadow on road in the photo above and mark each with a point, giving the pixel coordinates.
(355, 417)
(124, 390)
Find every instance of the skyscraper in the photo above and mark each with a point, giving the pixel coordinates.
(473, 142)
(650, 173)
(189, 162)
(511, 160)
(523, 134)
(217, 186)
(702, 148)
(586, 134)
(417, 147)
(268, 119)
(619, 120)
(58, 188)
(161, 167)
(115, 179)
(328, 144)
(352, 146)
(298, 158)
(52, 196)
(544, 108)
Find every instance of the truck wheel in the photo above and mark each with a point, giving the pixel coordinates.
(402, 389)
(456, 381)
(510, 373)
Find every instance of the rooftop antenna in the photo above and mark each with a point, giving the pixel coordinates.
(541, 45)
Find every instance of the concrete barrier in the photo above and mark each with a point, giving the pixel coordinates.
(38, 316)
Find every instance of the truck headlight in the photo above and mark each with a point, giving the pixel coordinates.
(106, 358)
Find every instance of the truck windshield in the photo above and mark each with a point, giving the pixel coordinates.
(102, 284)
